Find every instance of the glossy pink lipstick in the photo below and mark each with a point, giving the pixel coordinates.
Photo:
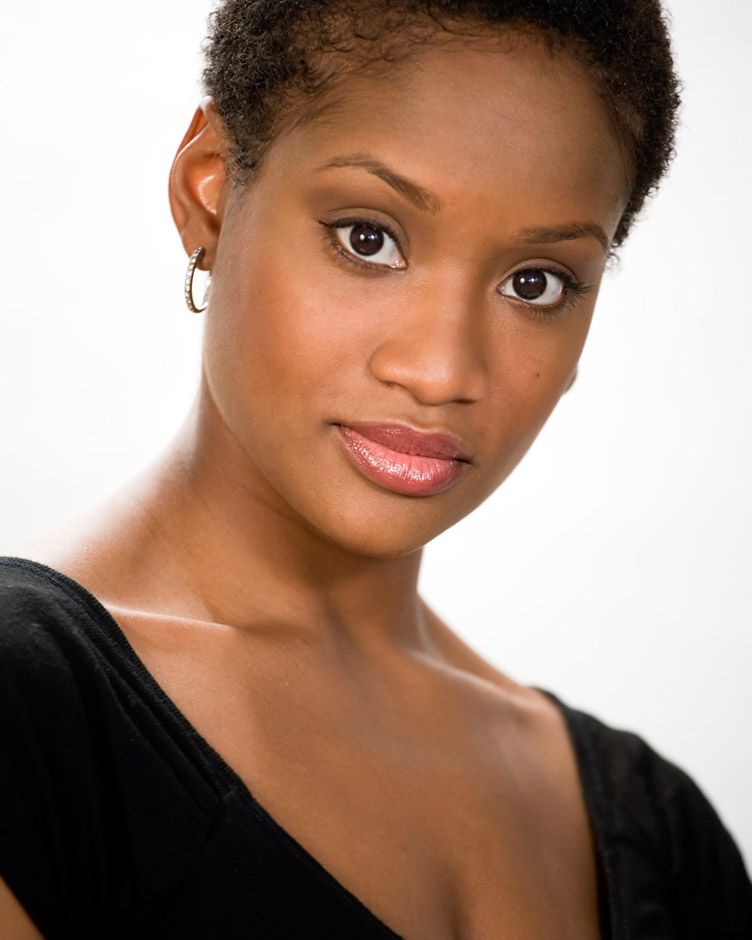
(403, 459)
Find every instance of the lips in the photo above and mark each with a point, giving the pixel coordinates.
(404, 460)
(406, 440)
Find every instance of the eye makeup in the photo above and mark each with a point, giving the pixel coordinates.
(572, 288)
(335, 244)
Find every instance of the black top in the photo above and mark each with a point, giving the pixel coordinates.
(117, 819)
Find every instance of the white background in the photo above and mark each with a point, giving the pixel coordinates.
(613, 567)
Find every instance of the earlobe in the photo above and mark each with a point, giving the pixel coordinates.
(198, 183)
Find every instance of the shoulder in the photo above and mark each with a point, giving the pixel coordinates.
(30, 587)
(625, 763)
(667, 827)
(60, 664)
(51, 663)
(33, 599)
(41, 613)
(46, 771)
(97, 774)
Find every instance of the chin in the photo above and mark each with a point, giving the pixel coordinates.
(377, 541)
(383, 526)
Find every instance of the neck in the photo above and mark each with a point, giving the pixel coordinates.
(236, 553)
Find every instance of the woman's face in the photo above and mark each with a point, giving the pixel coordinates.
(457, 302)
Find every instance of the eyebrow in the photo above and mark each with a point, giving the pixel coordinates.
(421, 198)
(427, 201)
(566, 233)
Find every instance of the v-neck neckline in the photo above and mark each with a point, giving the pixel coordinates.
(590, 781)
(610, 913)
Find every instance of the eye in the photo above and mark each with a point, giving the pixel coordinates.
(537, 286)
(366, 243)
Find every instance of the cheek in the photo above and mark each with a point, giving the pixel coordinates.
(534, 367)
(278, 344)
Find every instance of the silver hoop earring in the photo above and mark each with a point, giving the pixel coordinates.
(194, 260)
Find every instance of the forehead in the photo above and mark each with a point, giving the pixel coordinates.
(479, 119)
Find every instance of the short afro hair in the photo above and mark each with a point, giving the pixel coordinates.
(271, 60)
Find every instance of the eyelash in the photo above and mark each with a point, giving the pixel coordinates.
(573, 289)
(334, 243)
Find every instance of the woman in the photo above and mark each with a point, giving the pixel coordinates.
(228, 712)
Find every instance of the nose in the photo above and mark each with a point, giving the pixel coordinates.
(435, 345)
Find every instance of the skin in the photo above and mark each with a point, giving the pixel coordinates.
(252, 551)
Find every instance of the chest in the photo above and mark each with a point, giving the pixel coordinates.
(432, 813)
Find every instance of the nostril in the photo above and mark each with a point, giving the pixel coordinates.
(433, 372)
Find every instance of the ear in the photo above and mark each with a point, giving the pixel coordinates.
(198, 183)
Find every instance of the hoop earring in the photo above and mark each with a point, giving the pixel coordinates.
(193, 262)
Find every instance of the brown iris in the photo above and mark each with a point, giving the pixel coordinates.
(530, 284)
(366, 240)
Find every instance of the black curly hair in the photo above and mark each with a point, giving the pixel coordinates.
(273, 61)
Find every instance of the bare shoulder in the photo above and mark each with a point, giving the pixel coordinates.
(95, 546)
(535, 711)
(458, 654)
(538, 742)
(15, 923)
(71, 548)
